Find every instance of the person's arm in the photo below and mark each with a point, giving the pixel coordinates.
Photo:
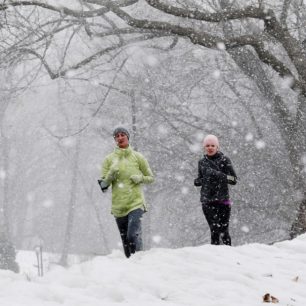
(104, 170)
(109, 171)
(199, 180)
(231, 174)
(147, 175)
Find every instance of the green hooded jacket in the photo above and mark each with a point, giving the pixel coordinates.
(117, 169)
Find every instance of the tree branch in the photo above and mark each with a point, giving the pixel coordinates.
(264, 55)
(62, 73)
(62, 10)
(121, 3)
(284, 14)
(211, 41)
(227, 14)
(272, 26)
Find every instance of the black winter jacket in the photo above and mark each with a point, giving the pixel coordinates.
(214, 174)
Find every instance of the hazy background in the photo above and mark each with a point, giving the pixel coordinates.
(56, 133)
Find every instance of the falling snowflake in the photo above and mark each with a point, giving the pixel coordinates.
(249, 137)
(47, 203)
(245, 229)
(94, 83)
(198, 53)
(185, 190)
(151, 60)
(260, 144)
(216, 74)
(304, 159)
(69, 142)
(71, 73)
(195, 148)
(287, 82)
(162, 130)
(179, 178)
(30, 197)
(199, 136)
(156, 239)
(2, 174)
(221, 45)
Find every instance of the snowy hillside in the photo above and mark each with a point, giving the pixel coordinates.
(206, 275)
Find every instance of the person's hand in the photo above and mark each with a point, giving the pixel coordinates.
(103, 185)
(113, 172)
(231, 179)
(136, 178)
(197, 182)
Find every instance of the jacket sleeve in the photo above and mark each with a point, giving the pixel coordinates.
(199, 180)
(145, 170)
(106, 170)
(231, 177)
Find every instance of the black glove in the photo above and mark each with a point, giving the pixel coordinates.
(103, 185)
(197, 182)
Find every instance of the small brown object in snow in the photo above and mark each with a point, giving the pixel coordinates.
(268, 298)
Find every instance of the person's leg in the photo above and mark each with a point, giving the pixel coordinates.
(211, 215)
(122, 224)
(134, 234)
(225, 213)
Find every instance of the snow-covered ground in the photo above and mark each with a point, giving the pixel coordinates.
(206, 275)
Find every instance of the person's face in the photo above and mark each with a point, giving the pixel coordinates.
(210, 148)
(122, 140)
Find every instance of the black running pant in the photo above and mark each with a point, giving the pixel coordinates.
(217, 216)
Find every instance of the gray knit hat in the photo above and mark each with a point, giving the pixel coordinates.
(121, 130)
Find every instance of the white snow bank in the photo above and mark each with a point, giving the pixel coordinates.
(206, 275)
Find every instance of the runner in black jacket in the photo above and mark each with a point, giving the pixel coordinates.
(215, 172)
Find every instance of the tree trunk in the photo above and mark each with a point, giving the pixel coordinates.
(299, 224)
(72, 203)
(292, 130)
(5, 223)
(7, 250)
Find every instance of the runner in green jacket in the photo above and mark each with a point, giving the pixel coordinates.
(125, 170)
